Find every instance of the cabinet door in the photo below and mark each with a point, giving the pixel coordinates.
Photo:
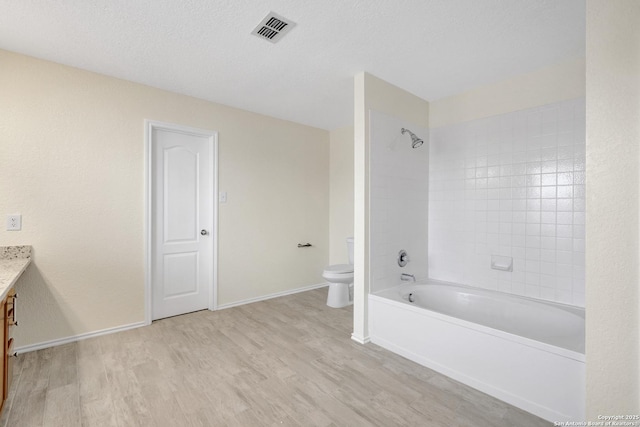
(3, 353)
(10, 322)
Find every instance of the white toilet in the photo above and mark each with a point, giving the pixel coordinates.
(340, 278)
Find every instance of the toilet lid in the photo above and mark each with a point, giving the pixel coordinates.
(339, 268)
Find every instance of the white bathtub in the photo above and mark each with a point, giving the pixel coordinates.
(526, 352)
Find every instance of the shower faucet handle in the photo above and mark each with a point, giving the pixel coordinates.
(403, 258)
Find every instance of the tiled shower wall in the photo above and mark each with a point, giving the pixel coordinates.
(511, 185)
(398, 201)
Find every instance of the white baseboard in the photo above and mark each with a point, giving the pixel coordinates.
(270, 296)
(360, 340)
(61, 341)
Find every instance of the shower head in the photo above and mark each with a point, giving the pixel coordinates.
(415, 141)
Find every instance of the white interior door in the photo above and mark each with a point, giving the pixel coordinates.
(182, 219)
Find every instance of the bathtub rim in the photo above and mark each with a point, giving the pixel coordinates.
(508, 336)
(575, 309)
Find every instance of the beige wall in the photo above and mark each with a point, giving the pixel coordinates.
(559, 82)
(372, 93)
(72, 163)
(613, 162)
(341, 194)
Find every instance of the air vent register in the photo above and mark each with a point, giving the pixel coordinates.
(273, 27)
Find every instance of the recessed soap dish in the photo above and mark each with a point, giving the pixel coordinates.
(502, 263)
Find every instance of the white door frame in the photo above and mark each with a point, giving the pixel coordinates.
(149, 126)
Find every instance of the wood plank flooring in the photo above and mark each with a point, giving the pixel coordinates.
(283, 362)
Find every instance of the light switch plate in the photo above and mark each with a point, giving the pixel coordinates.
(222, 197)
(14, 222)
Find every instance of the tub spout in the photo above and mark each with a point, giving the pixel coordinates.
(407, 277)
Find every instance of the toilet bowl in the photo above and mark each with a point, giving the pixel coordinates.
(340, 278)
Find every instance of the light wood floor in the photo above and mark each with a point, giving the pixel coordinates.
(287, 361)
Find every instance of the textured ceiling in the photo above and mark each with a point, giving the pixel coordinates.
(203, 48)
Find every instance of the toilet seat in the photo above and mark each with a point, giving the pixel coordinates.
(339, 269)
(338, 273)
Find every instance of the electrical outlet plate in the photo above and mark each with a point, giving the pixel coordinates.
(14, 222)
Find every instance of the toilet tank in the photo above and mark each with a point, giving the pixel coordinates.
(350, 249)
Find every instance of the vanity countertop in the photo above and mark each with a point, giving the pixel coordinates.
(13, 261)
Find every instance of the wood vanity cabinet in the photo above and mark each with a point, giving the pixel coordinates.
(8, 312)
(3, 354)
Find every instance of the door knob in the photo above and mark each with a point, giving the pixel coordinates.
(204, 232)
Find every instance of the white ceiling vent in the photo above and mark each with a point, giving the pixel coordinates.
(273, 27)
